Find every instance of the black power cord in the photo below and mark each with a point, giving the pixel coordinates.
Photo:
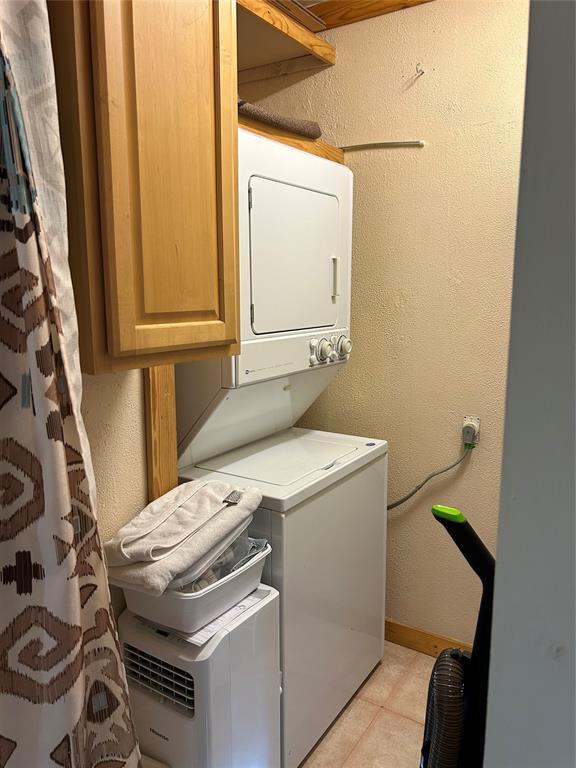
(467, 450)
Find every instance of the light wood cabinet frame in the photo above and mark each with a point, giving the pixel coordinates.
(145, 239)
(70, 29)
(161, 439)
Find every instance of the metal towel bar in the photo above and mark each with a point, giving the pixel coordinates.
(383, 145)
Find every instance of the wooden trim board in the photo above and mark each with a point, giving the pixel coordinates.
(278, 68)
(161, 440)
(420, 640)
(313, 146)
(337, 13)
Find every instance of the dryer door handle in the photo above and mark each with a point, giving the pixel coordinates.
(335, 276)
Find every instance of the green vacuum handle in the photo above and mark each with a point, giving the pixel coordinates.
(452, 514)
(467, 541)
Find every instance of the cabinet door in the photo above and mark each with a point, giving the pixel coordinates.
(165, 95)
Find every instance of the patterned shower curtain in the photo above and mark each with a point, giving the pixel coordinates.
(63, 695)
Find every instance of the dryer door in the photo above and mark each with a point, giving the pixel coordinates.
(294, 257)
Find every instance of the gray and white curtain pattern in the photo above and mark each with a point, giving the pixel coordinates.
(63, 695)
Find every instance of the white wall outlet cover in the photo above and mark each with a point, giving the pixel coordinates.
(471, 429)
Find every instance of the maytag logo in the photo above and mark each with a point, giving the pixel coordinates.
(157, 733)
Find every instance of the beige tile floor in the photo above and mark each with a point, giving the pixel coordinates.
(382, 726)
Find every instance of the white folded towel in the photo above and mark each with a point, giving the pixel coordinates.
(187, 526)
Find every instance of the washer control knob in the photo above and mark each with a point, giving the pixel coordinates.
(344, 346)
(324, 350)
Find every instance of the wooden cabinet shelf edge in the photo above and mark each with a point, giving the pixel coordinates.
(271, 43)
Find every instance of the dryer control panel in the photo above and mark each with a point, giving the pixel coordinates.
(263, 359)
(330, 349)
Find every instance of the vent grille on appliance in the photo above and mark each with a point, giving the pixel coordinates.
(157, 675)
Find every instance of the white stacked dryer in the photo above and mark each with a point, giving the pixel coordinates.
(295, 225)
(324, 495)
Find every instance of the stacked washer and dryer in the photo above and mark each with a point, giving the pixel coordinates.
(324, 495)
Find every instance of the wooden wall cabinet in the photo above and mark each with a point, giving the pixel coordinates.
(147, 104)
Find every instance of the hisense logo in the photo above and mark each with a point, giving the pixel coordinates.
(157, 733)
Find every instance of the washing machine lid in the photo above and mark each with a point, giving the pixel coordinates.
(289, 466)
(281, 459)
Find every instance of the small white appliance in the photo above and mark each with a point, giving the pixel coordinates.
(324, 495)
(214, 706)
(324, 512)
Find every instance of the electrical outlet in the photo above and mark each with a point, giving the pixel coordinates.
(471, 431)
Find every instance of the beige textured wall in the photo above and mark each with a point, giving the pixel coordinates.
(113, 409)
(432, 267)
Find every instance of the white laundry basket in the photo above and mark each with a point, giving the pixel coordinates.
(190, 611)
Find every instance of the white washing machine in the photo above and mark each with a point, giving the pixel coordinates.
(324, 512)
(324, 505)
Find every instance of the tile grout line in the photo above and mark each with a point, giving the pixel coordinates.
(380, 707)
(390, 709)
(401, 714)
(400, 682)
(355, 747)
(352, 700)
(402, 679)
(365, 683)
(363, 736)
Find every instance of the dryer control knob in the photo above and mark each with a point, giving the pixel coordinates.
(324, 350)
(344, 346)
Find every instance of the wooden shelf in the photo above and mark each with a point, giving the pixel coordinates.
(314, 146)
(337, 13)
(270, 43)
